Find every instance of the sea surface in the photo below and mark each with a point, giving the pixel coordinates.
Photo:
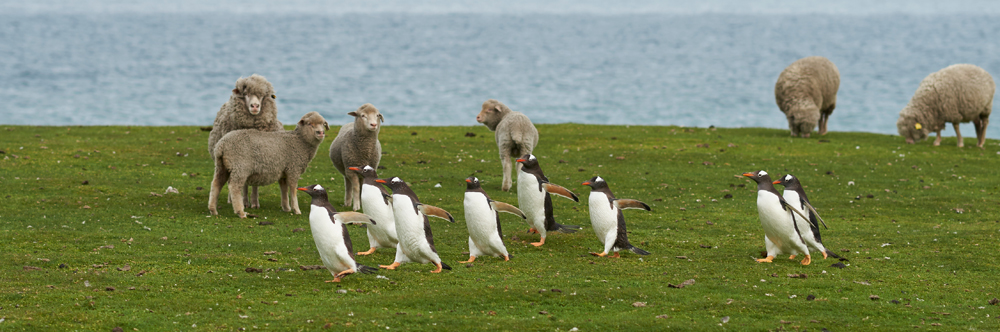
(111, 62)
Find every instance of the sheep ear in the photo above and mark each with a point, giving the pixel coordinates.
(326, 125)
(354, 114)
(236, 91)
(496, 108)
(302, 122)
(380, 118)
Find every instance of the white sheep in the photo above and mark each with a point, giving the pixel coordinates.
(251, 106)
(515, 134)
(806, 92)
(259, 158)
(357, 144)
(958, 93)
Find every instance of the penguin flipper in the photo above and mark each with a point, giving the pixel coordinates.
(638, 251)
(624, 203)
(504, 207)
(559, 190)
(434, 211)
(811, 208)
(353, 218)
(366, 269)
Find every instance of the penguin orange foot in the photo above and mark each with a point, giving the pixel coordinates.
(539, 243)
(439, 267)
(791, 256)
(471, 259)
(807, 260)
(599, 254)
(335, 279)
(824, 255)
(768, 259)
(369, 252)
(532, 231)
(392, 266)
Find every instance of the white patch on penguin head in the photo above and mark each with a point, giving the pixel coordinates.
(761, 173)
(788, 177)
(396, 179)
(368, 168)
(531, 157)
(598, 179)
(318, 187)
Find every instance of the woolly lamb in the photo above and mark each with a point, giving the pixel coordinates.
(806, 92)
(251, 106)
(357, 144)
(958, 93)
(515, 135)
(259, 158)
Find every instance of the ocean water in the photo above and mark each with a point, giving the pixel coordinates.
(434, 63)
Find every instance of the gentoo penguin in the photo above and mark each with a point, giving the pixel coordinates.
(533, 190)
(416, 243)
(377, 203)
(329, 230)
(796, 197)
(781, 235)
(607, 219)
(482, 216)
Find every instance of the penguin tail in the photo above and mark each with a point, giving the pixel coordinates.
(566, 228)
(831, 254)
(445, 266)
(638, 251)
(366, 269)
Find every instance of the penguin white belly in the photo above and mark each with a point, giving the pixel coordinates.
(329, 239)
(482, 223)
(603, 216)
(410, 229)
(805, 227)
(383, 233)
(531, 201)
(777, 224)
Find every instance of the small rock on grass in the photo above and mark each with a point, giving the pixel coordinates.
(253, 270)
(994, 301)
(686, 283)
(662, 316)
(310, 267)
(265, 223)
(639, 304)
(838, 265)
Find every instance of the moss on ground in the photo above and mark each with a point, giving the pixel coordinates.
(83, 211)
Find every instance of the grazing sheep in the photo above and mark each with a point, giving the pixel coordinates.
(515, 135)
(958, 93)
(251, 106)
(806, 92)
(259, 158)
(357, 144)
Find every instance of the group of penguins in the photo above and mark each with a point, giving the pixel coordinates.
(399, 220)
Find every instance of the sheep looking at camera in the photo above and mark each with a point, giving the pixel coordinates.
(958, 93)
(357, 144)
(806, 92)
(251, 106)
(515, 134)
(259, 158)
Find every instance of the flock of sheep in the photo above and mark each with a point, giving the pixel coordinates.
(250, 147)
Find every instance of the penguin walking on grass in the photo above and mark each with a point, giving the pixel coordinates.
(416, 243)
(796, 197)
(482, 216)
(607, 219)
(781, 234)
(533, 190)
(329, 231)
(377, 203)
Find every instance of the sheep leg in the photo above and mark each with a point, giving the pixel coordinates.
(958, 135)
(291, 182)
(980, 131)
(220, 178)
(823, 118)
(937, 141)
(246, 196)
(236, 184)
(347, 189)
(283, 184)
(254, 203)
(505, 163)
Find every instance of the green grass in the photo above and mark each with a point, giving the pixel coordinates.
(908, 243)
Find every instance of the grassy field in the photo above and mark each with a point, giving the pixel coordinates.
(91, 241)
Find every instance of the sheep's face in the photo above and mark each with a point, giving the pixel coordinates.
(911, 130)
(253, 103)
(368, 117)
(313, 125)
(803, 124)
(491, 114)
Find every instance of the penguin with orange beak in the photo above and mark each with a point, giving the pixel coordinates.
(482, 216)
(781, 234)
(796, 198)
(377, 203)
(607, 219)
(416, 243)
(533, 190)
(329, 231)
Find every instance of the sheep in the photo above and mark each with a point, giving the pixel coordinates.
(251, 106)
(515, 135)
(958, 93)
(806, 92)
(258, 158)
(357, 144)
